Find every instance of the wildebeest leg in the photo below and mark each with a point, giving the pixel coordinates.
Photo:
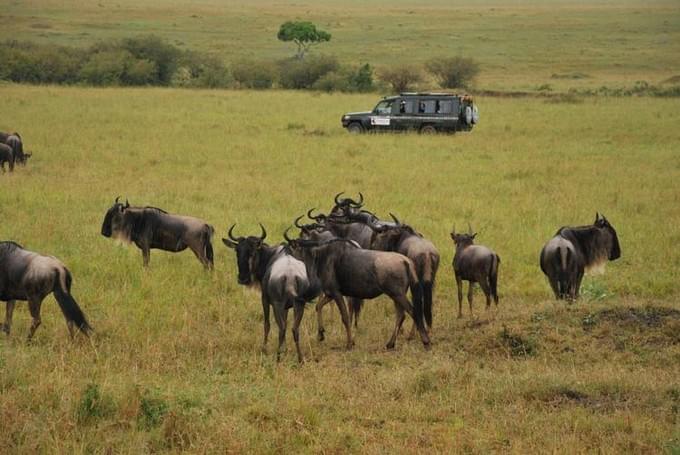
(470, 289)
(427, 299)
(403, 302)
(146, 255)
(9, 310)
(459, 285)
(340, 301)
(399, 320)
(34, 308)
(281, 316)
(577, 285)
(298, 312)
(323, 300)
(267, 324)
(484, 284)
(198, 252)
(555, 287)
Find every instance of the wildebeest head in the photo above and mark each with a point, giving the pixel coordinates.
(113, 220)
(24, 158)
(247, 253)
(306, 230)
(463, 240)
(346, 206)
(386, 236)
(613, 239)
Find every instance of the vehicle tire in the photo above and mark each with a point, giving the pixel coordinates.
(428, 129)
(355, 128)
(475, 114)
(468, 115)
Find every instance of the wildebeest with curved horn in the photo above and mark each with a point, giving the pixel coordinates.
(345, 269)
(474, 264)
(283, 281)
(575, 250)
(151, 227)
(403, 239)
(25, 275)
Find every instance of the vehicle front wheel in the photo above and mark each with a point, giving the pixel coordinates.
(428, 129)
(355, 128)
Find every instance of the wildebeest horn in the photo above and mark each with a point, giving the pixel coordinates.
(453, 229)
(116, 201)
(361, 201)
(297, 222)
(315, 218)
(285, 234)
(469, 228)
(395, 219)
(337, 196)
(231, 233)
(264, 232)
(127, 203)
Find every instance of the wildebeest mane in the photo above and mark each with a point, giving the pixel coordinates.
(589, 241)
(148, 207)
(9, 246)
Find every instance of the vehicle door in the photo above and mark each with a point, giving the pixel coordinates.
(402, 114)
(447, 111)
(381, 118)
(426, 113)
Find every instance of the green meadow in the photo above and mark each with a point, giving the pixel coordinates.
(174, 364)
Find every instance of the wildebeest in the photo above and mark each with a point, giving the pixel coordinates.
(474, 264)
(14, 141)
(25, 275)
(345, 269)
(151, 227)
(575, 250)
(403, 239)
(283, 281)
(6, 156)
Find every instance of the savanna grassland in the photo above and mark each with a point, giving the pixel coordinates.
(520, 45)
(174, 363)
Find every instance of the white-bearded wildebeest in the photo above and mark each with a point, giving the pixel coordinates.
(25, 275)
(283, 282)
(14, 141)
(345, 269)
(474, 264)
(151, 227)
(6, 156)
(575, 250)
(404, 239)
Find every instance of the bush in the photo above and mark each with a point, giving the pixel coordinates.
(401, 78)
(47, 64)
(106, 68)
(361, 80)
(154, 49)
(453, 72)
(303, 74)
(257, 75)
(199, 70)
(332, 82)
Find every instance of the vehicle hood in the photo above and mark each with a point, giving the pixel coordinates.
(358, 113)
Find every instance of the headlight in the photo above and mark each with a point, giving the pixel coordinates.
(345, 117)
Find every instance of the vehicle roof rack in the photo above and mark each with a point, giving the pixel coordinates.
(428, 94)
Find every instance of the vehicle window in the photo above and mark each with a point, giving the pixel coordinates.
(383, 108)
(445, 107)
(427, 106)
(406, 106)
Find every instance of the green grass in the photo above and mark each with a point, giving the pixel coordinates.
(174, 363)
(520, 45)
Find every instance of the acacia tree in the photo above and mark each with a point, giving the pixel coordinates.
(304, 34)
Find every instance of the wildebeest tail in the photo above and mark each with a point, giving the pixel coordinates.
(563, 259)
(493, 276)
(357, 304)
(416, 293)
(68, 305)
(207, 243)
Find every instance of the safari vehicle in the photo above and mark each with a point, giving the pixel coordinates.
(422, 112)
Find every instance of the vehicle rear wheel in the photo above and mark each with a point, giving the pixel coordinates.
(355, 128)
(428, 129)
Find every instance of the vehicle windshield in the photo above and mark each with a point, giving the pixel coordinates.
(383, 108)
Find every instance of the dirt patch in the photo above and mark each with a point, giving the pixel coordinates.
(646, 317)
(635, 327)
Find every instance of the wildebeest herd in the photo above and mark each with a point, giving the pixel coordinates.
(348, 253)
(12, 151)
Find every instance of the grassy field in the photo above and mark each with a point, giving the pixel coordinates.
(175, 363)
(521, 45)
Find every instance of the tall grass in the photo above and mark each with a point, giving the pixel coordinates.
(175, 362)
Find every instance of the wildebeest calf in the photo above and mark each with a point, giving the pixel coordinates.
(151, 227)
(25, 275)
(474, 264)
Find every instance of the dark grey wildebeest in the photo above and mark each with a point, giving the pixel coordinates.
(345, 269)
(14, 141)
(6, 156)
(25, 275)
(283, 282)
(474, 264)
(403, 239)
(151, 227)
(576, 250)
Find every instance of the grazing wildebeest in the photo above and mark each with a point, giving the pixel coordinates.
(6, 156)
(345, 269)
(575, 250)
(474, 264)
(283, 282)
(151, 227)
(403, 239)
(15, 142)
(25, 275)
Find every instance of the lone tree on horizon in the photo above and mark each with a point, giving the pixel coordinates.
(304, 34)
